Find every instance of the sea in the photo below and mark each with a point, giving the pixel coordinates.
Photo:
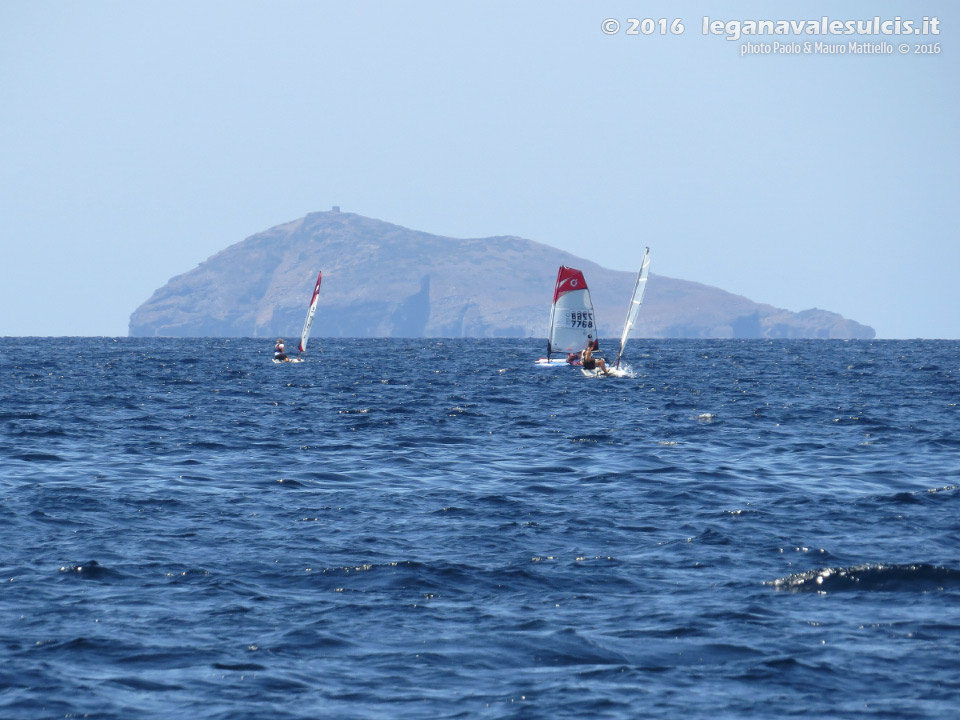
(433, 528)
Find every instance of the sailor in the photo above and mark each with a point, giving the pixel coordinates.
(589, 361)
(278, 353)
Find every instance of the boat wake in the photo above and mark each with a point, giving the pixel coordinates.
(624, 371)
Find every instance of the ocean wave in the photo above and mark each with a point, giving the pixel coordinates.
(872, 577)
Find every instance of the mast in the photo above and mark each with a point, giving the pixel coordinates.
(553, 310)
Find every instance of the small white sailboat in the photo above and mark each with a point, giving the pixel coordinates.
(633, 310)
(307, 323)
(572, 319)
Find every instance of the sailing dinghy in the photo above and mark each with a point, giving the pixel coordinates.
(307, 323)
(572, 320)
(633, 310)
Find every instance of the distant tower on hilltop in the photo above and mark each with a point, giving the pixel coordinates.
(336, 208)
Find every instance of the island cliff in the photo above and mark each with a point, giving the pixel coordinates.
(383, 280)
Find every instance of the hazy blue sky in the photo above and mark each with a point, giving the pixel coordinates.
(139, 138)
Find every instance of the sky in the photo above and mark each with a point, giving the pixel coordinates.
(138, 138)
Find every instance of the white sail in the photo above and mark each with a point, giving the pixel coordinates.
(635, 302)
(572, 321)
(310, 313)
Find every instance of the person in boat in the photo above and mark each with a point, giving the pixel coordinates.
(573, 359)
(588, 361)
(278, 351)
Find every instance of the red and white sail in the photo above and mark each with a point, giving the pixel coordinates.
(310, 313)
(572, 320)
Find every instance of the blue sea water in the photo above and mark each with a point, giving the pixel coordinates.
(440, 529)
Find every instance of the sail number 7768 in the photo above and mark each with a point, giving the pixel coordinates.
(580, 319)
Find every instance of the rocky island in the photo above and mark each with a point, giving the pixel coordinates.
(383, 280)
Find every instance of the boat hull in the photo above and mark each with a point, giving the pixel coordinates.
(553, 362)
